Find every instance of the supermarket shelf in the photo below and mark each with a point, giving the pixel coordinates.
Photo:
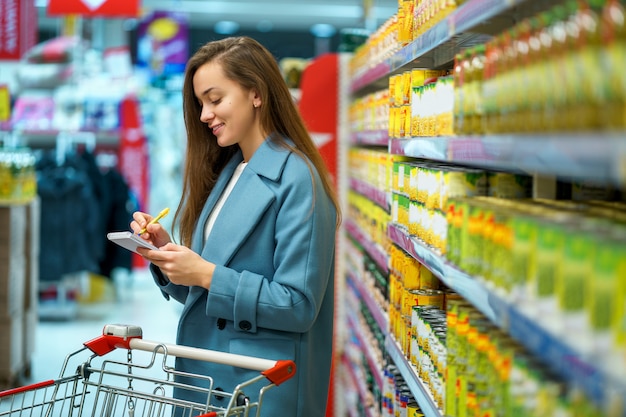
(374, 194)
(370, 137)
(594, 157)
(469, 288)
(47, 138)
(475, 12)
(420, 392)
(422, 396)
(563, 359)
(358, 295)
(352, 413)
(375, 368)
(427, 257)
(373, 78)
(373, 250)
(597, 157)
(357, 383)
(437, 47)
(377, 312)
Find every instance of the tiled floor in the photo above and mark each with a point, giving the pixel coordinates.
(136, 301)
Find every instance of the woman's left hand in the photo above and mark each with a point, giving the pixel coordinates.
(181, 265)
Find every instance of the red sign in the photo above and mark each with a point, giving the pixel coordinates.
(133, 151)
(320, 84)
(133, 157)
(108, 8)
(18, 28)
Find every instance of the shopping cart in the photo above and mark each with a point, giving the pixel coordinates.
(128, 387)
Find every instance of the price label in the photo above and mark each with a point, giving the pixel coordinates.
(5, 103)
(619, 162)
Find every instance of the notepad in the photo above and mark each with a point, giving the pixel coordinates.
(129, 240)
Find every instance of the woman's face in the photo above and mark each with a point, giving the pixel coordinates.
(228, 109)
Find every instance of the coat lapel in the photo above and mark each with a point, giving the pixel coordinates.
(242, 211)
(245, 205)
(197, 242)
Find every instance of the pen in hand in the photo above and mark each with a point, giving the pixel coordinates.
(158, 217)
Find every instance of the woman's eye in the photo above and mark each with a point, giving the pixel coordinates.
(216, 101)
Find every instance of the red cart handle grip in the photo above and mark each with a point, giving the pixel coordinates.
(282, 371)
(114, 336)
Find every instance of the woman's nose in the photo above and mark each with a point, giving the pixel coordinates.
(206, 115)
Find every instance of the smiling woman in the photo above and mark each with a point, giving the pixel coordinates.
(257, 223)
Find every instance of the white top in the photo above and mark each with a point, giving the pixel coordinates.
(220, 203)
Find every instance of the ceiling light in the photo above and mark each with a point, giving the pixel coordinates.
(226, 27)
(323, 30)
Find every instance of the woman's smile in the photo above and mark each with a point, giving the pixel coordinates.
(217, 128)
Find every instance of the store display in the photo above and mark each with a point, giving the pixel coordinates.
(33, 111)
(80, 203)
(18, 182)
(19, 250)
(534, 322)
(352, 38)
(49, 64)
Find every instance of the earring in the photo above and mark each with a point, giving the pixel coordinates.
(255, 105)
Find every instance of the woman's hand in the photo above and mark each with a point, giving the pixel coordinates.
(155, 233)
(181, 265)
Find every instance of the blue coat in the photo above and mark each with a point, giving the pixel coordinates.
(272, 294)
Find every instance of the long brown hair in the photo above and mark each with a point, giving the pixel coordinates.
(249, 63)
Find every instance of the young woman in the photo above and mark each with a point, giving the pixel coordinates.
(257, 223)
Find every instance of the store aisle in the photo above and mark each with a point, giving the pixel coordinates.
(138, 302)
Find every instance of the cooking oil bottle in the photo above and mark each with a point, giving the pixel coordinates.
(613, 32)
(474, 89)
(490, 84)
(589, 44)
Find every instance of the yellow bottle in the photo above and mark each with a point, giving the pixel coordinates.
(613, 32)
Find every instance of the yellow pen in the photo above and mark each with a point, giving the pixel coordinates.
(159, 216)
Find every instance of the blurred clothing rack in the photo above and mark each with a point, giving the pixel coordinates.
(66, 143)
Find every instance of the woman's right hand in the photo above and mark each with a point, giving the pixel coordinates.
(155, 233)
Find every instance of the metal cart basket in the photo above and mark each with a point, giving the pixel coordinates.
(128, 387)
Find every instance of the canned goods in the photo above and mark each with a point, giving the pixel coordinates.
(422, 297)
(402, 406)
(413, 410)
(450, 295)
(428, 281)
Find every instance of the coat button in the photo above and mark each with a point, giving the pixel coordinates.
(219, 397)
(221, 323)
(245, 325)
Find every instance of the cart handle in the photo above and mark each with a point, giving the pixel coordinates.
(26, 388)
(130, 337)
